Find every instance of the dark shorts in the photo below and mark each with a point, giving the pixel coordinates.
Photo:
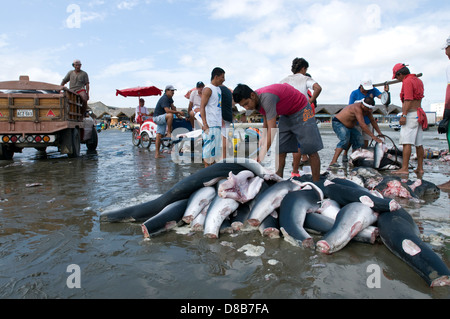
(347, 136)
(299, 129)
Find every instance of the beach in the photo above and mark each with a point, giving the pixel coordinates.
(49, 216)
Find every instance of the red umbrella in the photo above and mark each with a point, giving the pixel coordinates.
(140, 91)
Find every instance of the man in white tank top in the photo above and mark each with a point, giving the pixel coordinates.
(211, 115)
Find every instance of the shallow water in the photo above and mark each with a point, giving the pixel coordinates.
(47, 227)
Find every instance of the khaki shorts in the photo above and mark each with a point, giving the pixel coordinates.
(411, 133)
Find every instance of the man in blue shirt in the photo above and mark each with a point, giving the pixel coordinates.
(163, 117)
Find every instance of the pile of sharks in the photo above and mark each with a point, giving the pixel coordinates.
(239, 193)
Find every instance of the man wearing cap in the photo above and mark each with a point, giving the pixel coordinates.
(79, 83)
(411, 132)
(344, 125)
(195, 100)
(163, 117)
(444, 125)
(365, 89)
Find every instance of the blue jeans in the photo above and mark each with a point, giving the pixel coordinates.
(347, 136)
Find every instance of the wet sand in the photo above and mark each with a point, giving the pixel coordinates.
(48, 227)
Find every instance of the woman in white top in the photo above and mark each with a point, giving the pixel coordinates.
(302, 82)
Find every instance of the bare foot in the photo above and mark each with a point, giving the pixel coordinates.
(417, 171)
(400, 172)
(445, 186)
(159, 156)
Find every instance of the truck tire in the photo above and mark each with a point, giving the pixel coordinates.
(76, 144)
(93, 142)
(6, 153)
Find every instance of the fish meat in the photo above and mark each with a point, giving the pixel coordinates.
(270, 227)
(352, 218)
(329, 208)
(198, 200)
(394, 186)
(242, 187)
(239, 217)
(199, 221)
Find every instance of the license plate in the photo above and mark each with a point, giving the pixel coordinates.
(25, 113)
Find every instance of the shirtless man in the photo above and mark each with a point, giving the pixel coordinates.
(344, 125)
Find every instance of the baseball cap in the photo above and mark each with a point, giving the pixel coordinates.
(76, 61)
(170, 88)
(397, 68)
(447, 44)
(200, 84)
(367, 85)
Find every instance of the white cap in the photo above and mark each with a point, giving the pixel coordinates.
(447, 44)
(367, 85)
(171, 88)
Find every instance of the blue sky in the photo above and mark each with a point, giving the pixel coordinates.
(132, 43)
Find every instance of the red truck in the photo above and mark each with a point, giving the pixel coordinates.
(38, 114)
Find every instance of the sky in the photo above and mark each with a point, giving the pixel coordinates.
(130, 43)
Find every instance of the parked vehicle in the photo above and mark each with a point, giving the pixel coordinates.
(39, 114)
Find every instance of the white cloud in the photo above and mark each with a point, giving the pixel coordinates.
(343, 41)
(250, 9)
(127, 5)
(126, 68)
(3, 40)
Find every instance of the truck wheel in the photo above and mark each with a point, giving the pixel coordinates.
(145, 140)
(93, 142)
(75, 147)
(6, 153)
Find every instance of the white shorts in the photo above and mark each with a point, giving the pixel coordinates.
(411, 133)
(212, 144)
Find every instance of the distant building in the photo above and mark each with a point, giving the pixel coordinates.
(325, 112)
(102, 111)
(439, 109)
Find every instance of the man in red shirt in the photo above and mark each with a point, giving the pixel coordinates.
(296, 122)
(411, 132)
